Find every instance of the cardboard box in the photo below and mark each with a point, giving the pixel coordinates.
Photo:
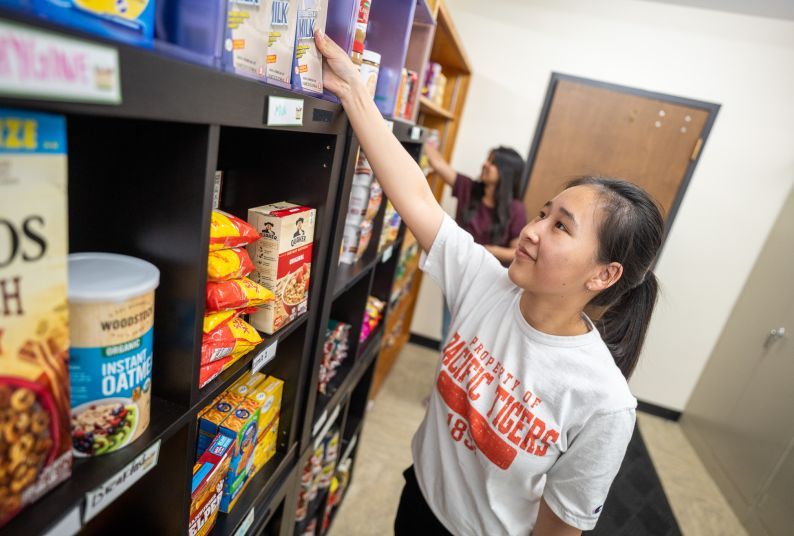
(209, 476)
(212, 417)
(34, 332)
(246, 384)
(307, 69)
(129, 21)
(241, 426)
(267, 396)
(283, 259)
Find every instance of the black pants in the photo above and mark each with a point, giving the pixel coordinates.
(414, 516)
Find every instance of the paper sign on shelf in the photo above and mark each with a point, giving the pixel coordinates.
(99, 498)
(387, 253)
(328, 425)
(264, 357)
(284, 112)
(320, 422)
(39, 64)
(242, 530)
(416, 133)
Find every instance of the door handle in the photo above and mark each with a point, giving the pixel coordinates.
(774, 335)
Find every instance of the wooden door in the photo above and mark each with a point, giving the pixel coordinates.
(596, 129)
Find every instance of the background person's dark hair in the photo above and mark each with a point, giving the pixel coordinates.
(510, 166)
(630, 232)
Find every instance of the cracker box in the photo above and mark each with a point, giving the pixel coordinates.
(307, 68)
(212, 417)
(246, 384)
(209, 476)
(34, 332)
(268, 398)
(283, 258)
(241, 426)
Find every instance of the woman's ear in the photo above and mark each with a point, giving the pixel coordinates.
(607, 275)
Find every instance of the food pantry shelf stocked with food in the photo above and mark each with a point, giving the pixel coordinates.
(231, 260)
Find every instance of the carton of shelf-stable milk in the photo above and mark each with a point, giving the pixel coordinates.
(260, 39)
(307, 68)
(283, 258)
(34, 330)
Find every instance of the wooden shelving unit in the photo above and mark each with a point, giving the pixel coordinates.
(447, 50)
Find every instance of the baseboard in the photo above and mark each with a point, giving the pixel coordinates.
(658, 411)
(425, 342)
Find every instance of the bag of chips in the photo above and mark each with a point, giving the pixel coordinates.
(226, 264)
(213, 320)
(227, 231)
(235, 294)
(209, 372)
(234, 338)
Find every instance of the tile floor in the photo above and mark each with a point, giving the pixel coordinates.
(371, 502)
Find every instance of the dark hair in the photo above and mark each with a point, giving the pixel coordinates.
(630, 232)
(510, 166)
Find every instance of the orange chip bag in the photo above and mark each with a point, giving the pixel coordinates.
(235, 294)
(233, 338)
(227, 231)
(226, 264)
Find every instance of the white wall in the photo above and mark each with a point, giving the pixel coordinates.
(744, 63)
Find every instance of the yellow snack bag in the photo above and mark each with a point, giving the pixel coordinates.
(235, 294)
(227, 231)
(226, 264)
(233, 338)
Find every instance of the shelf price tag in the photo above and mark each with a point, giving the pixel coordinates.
(349, 449)
(99, 498)
(264, 357)
(242, 530)
(416, 133)
(329, 423)
(320, 422)
(387, 253)
(284, 112)
(50, 66)
(390, 124)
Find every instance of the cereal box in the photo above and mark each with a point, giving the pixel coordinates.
(268, 398)
(283, 259)
(307, 69)
(212, 417)
(209, 475)
(35, 444)
(241, 426)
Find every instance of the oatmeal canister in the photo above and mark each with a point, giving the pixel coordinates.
(111, 308)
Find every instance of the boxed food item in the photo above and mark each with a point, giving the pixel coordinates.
(129, 21)
(212, 417)
(241, 426)
(34, 332)
(283, 259)
(307, 68)
(281, 41)
(267, 397)
(247, 384)
(209, 476)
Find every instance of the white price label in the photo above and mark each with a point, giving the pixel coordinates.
(349, 449)
(416, 133)
(320, 422)
(264, 357)
(69, 525)
(390, 124)
(387, 253)
(98, 499)
(242, 530)
(47, 65)
(284, 112)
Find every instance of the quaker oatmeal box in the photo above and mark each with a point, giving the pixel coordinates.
(283, 258)
(35, 440)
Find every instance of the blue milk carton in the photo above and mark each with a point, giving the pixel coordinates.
(307, 67)
(128, 21)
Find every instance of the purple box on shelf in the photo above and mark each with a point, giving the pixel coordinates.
(128, 21)
(340, 25)
(192, 30)
(389, 30)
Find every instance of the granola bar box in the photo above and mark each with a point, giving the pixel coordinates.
(283, 259)
(35, 443)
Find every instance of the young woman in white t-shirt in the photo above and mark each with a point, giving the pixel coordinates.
(531, 413)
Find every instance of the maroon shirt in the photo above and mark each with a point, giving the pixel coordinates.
(480, 225)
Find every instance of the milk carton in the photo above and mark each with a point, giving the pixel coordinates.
(307, 68)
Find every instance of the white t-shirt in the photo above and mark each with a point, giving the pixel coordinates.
(516, 414)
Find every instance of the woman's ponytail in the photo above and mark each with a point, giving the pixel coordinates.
(630, 232)
(624, 324)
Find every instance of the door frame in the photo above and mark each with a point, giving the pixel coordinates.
(711, 108)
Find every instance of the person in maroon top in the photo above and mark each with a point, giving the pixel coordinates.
(489, 209)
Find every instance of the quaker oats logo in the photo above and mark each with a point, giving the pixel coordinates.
(299, 235)
(267, 231)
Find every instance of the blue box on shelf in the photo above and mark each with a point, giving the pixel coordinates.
(128, 21)
(192, 30)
